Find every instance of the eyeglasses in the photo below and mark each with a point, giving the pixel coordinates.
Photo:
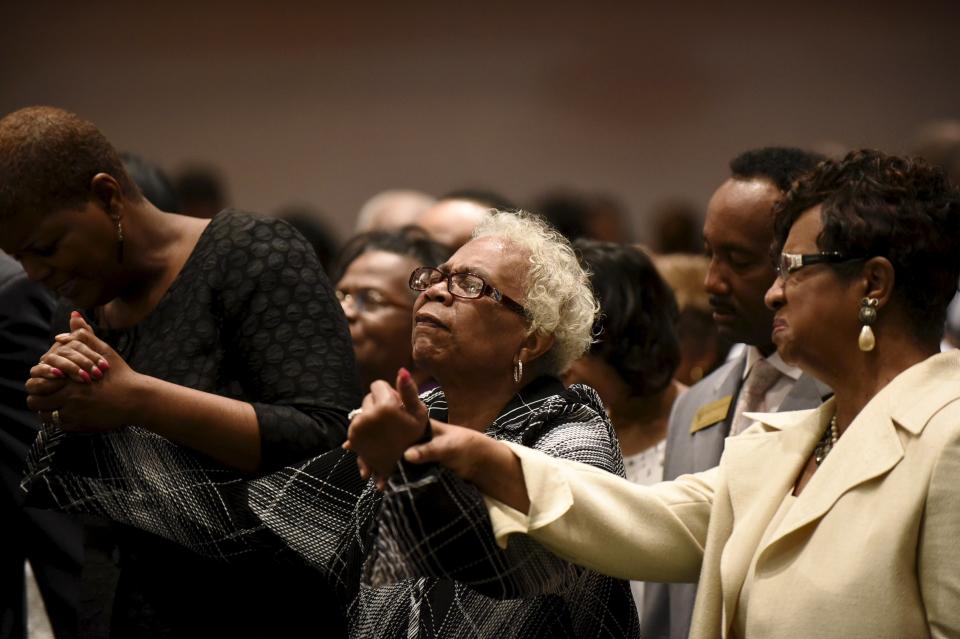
(793, 262)
(367, 300)
(468, 286)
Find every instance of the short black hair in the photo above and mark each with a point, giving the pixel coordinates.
(48, 158)
(873, 204)
(411, 241)
(779, 164)
(636, 330)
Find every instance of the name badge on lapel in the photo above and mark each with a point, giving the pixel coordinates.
(710, 414)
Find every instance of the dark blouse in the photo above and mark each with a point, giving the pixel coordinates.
(251, 316)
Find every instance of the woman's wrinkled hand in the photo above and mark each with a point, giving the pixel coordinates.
(461, 450)
(72, 379)
(488, 464)
(390, 420)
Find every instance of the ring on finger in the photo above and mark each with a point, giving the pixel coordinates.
(353, 413)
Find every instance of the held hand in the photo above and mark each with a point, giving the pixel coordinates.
(488, 464)
(84, 402)
(390, 420)
(461, 450)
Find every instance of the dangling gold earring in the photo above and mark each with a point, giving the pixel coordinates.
(518, 371)
(868, 315)
(119, 240)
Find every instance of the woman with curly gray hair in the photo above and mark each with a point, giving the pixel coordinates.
(495, 325)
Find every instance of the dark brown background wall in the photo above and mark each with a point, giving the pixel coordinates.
(303, 102)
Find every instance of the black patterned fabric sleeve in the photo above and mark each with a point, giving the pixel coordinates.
(289, 340)
(434, 524)
(322, 510)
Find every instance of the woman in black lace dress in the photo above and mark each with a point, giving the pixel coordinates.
(210, 352)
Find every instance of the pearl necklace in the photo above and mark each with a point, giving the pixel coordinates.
(829, 439)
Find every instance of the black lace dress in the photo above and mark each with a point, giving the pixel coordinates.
(251, 316)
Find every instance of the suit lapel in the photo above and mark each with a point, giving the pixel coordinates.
(869, 448)
(708, 443)
(759, 469)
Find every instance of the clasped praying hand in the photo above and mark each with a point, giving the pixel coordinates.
(80, 384)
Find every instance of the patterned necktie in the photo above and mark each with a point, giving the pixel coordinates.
(761, 378)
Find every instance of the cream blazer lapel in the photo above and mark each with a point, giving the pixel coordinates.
(760, 466)
(870, 447)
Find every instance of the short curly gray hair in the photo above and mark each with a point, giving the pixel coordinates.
(558, 296)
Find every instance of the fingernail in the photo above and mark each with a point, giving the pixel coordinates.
(404, 374)
(63, 336)
(96, 372)
(103, 364)
(75, 314)
(56, 372)
(85, 376)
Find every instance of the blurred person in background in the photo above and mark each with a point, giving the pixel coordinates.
(392, 209)
(609, 220)
(566, 211)
(212, 351)
(152, 182)
(677, 228)
(701, 347)
(737, 234)
(314, 228)
(372, 285)
(632, 360)
(200, 191)
(454, 216)
(580, 215)
(938, 143)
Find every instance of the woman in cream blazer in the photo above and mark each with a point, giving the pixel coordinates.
(868, 549)
(835, 522)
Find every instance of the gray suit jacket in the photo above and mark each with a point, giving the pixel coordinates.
(667, 608)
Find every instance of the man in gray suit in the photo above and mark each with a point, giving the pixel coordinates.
(737, 234)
